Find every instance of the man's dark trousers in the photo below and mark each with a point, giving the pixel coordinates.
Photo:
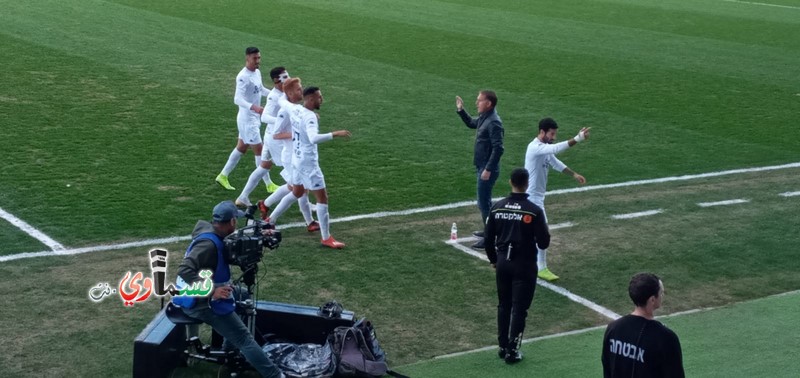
(516, 283)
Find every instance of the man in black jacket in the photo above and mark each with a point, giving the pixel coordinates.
(488, 148)
(513, 231)
(637, 345)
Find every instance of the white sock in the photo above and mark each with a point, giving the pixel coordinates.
(252, 181)
(324, 220)
(264, 171)
(287, 201)
(233, 159)
(541, 259)
(305, 208)
(277, 196)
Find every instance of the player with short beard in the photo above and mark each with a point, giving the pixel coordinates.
(539, 157)
(249, 90)
(306, 173)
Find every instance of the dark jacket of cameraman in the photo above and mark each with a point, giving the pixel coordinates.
(202, 256)
(517, 223)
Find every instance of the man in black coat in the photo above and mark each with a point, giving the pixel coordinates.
(488, 148)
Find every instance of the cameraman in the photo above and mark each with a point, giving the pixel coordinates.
(207, 252)
(515, 227)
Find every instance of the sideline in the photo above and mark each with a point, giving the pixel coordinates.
(762, 4)
(59, 250)
(584, 330)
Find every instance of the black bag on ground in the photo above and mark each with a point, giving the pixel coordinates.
(357, 351)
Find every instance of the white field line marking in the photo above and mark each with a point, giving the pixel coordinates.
(722, 203)
(584, 330)
(525, 341)
(578, 299)
(454, 205)
(32, 231)
(557, 289)
(468, 250)
(763, 4)
(637, 215)
(550, 226)
(789, 194)
(76, 251)
(142, 243)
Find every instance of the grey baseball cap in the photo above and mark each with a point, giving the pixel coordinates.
(225, 211)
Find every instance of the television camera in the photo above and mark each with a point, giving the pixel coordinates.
(246, 245)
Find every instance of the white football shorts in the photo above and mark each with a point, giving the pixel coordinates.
(249, 130)
(275, 148)
(310, 176)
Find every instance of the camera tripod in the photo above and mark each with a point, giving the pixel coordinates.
(197, 351)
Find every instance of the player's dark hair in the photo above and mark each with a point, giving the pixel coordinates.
(548, 123)
(491, 96)
(642, 287)
(251, 50)
(519, 178)
(276, 72)
(310, 91)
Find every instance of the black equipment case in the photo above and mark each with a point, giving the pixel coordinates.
(159, 347)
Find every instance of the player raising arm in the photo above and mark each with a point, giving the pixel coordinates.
(538, 158)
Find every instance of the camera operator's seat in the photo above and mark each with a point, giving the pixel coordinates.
(176, 315)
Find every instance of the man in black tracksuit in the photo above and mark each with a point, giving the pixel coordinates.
(514, 228)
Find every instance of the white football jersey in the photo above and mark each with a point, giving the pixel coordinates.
(305, 127)
(271, 110)
(538, 158)
(249, 90)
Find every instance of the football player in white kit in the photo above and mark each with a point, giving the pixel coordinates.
(249, 90)
(538, 158)
(273, 144)
(306, 173)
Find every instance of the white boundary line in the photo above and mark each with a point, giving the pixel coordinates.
(762, 4)
(723, 203)
(111, 247)
(454, 205)
(32, 231)
(637, 215)
(76, 251)
(584, 330)
(674, 178)
(557, 289)
(789, 194)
